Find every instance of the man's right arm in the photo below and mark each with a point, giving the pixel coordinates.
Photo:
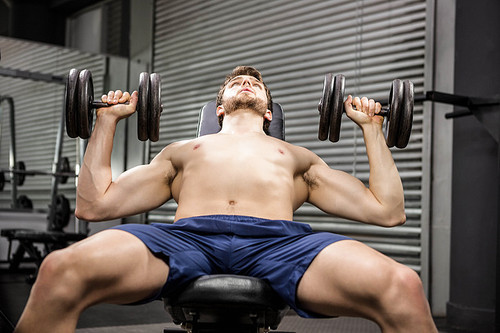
(135, 191)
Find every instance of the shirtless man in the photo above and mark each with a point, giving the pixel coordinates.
(228, 186)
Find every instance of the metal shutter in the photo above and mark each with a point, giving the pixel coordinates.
(38, 107)
(294, 44)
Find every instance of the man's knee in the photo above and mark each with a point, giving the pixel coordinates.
(58, 265)
(405, 293)
(59, 278)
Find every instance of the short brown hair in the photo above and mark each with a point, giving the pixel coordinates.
(250, 71)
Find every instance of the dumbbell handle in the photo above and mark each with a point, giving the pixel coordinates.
(99, 104)
(384, 112)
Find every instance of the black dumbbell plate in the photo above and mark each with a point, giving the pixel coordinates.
(396, 103)
(406, 120)
(337, 107)
(155, 108)
(85, 97)
(69, 102)
(325, 107)
(142, 107)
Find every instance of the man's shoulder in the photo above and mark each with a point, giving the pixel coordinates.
(174, 146)
(297, 149)
(179, 145)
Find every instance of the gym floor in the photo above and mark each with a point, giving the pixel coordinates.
(14, 292)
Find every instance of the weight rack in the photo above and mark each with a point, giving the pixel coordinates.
(53, 238)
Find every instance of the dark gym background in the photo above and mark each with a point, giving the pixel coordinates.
(450, 169)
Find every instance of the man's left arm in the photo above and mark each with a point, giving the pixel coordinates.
(341, 194)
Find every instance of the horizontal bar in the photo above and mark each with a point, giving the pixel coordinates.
(36, 76)
(436, 96)
(40, 172)
(445, 98)
(458, 113)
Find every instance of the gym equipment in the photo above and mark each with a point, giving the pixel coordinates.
(59, 209)
(20, 170)
(27, 239)
(399, 113)
(24, 202)
(79, 103)
(62, 213)
(30, 75)
(12, 149)
(226, 303)
(208, 123)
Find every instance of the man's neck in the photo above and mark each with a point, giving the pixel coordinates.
(242, 122)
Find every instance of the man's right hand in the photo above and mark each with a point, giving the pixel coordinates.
(119, 109)
(363, 111)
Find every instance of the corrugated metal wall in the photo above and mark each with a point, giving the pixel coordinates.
(294, 44)
(38, 110)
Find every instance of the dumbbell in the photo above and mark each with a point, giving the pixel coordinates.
(79, 105)
(399, 114)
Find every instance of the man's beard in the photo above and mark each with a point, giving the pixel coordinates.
(235, 103)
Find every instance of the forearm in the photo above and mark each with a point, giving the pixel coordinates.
(95, 175)
(384, 182)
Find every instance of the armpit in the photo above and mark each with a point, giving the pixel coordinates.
(171, 176)
(311, 181)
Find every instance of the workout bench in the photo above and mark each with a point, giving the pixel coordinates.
(228, 303)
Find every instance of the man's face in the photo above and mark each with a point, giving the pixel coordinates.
(245, 91)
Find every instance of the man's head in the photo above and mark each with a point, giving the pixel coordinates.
(245, 75)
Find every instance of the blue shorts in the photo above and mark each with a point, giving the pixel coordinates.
(276, 251)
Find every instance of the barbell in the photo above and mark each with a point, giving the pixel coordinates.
(19, 179)
(79, 105)
(399, 114)
(21, 172)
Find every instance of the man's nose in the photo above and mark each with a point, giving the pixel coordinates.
(246, 81)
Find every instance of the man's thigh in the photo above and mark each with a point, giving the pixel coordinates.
(117, 267)
(345, 279)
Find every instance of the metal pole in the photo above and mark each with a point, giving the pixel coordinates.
(497, 298)
(81, 226)
(12, 149)
(55, 169)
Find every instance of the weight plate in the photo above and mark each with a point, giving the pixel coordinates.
(406, 120)
(395, 107)
(65, 167)
(62, 213)
(24, 202)
(337, 107)
(85, 97)
(142, 107)
(154, 110)
(324, 107)
(69, 103)
(21, 176)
